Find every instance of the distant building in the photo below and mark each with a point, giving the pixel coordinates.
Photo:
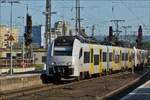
(5, 33)
(62, 28)
(38, 39)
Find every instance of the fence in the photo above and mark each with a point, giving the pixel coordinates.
(15, 63)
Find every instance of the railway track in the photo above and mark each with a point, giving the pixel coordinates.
(48, 90)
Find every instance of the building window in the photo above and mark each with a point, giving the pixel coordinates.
(44, 58)
(8, 55)
(86, 57)
(96, 59)
(19, 54)
(104, 56)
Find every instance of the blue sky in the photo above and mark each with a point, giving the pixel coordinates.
(98, 12)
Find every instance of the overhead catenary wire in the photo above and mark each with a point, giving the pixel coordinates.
(87, 0)
(132, 12)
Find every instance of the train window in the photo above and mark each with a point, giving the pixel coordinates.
(123, 56)
(80, 54)
(91, 55)
(110, 56)
(86, 57)
(126, 57)
(63, 51)
(96, 59)
(104, 56)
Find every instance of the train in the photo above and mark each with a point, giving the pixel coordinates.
(71, 57)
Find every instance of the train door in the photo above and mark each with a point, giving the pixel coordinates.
(91, 61)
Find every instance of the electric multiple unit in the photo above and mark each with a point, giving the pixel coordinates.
(71, 57)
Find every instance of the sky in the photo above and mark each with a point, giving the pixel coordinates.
(94, 12)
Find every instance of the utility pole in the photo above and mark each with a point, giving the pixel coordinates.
(11, 26)
(116, 22)
(78, 18)
(22, 39)
(126, 28)
(76, 24)
(48, 23)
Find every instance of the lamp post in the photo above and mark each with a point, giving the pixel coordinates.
(11, 22)
(22, 18)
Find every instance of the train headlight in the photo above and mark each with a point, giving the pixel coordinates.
(69, 63)
(53, 63)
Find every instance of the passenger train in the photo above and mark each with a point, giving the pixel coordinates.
(71, 57)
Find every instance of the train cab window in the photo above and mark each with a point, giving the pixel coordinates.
(80, 54)
(86, 57)
(63, 51)
(104, 56)
(96, 59)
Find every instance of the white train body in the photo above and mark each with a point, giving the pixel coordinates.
(69, 57)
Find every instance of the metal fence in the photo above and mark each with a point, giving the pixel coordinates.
(15, 63)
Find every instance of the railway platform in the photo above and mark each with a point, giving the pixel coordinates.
(140, 93)
(19, 81)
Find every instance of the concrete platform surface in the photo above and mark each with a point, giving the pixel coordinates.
(19, 81)
(140, 93)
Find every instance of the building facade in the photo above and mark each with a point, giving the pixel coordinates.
(5, 33)
(38, 38)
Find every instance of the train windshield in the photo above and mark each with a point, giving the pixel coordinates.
(63, 46)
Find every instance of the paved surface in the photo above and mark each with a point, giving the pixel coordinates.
(140, 93)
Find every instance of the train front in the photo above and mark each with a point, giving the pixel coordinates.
(60, 60)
